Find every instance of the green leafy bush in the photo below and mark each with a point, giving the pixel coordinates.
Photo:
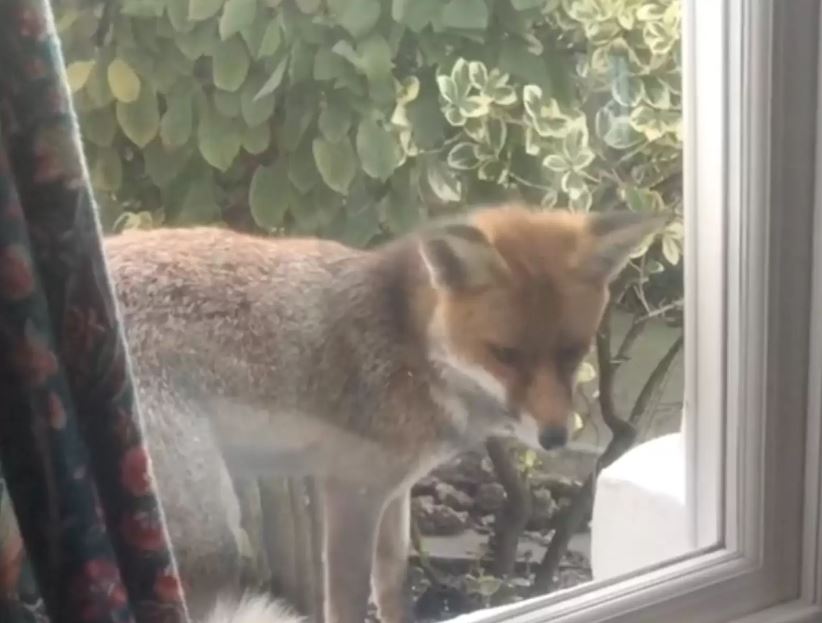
(358, 118)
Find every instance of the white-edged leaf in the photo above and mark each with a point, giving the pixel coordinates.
(463, 157)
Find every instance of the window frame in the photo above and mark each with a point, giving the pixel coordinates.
(753, 348)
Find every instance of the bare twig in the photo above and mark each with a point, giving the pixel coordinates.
(654, 381)
(661, 311)
(514, 515)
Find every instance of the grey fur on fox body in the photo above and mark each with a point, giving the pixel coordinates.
(364, 368)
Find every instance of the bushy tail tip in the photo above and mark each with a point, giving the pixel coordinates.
(253, 609)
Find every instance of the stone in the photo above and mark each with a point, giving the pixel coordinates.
(467, 471)
(543, 508)
(453, 497)
(434, 519)
(489, 497)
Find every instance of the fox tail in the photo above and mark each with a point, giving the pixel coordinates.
(253, 609)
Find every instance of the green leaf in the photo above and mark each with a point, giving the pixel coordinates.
(97, 89)
(302, 171)
(497, 134)
(477, 129)
(199, 206)
(230, 64)
(443, 182)
(78, 73)
(99, 127)
(302, 61)
(336, 162)
(328, 66)
(218, 140)
(378, 150)
(203, 9)
(401, 216)
(375, 62)
(163, 166)
(177, 122)
(556, 163)
(227, 103)
(256, 110)
(335, 120)
(140, 119)
(448, 89)
(359, 17)
(416, 14)
(478, 74)
(517, 60)
(576, 150)
(461, 75)
(465, 15)
(627, 90)
(317, 211)
(671, 250)
(178, 15)
(427, 121)
(524, 5)
(463, 157)
(274, 80)
(272, 39)
(308, 6)
(299, 113)
(256, 139)
(199, 42)
(636, 201)
(107, 173)
(142, 8)
(237, 14)
(360, 226)
(616, 131)
(123, 82)
(268, 196)
(573, 184)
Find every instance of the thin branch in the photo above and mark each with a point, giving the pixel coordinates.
(512, 518)
(654, 380)
(624, 350)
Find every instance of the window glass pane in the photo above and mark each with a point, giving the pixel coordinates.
(278, 377)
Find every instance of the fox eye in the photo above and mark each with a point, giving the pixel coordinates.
(506, 355)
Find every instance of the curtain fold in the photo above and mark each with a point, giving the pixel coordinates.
(82, 536)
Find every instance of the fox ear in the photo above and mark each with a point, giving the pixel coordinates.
(458, 256)
(615, 235)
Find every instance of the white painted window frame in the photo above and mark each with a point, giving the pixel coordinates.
(753, 405)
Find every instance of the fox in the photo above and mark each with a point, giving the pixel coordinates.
(364, 368)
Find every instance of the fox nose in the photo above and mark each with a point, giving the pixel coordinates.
(551, 438)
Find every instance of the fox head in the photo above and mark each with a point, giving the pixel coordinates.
(517, 299)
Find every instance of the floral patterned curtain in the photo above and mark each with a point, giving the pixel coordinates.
(82, 537)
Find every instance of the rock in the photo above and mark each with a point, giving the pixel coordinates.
(434, 519)
(558, 486)
(453, 497)
(467, 471)
(543, 508)
(425, 486)
(489, 497)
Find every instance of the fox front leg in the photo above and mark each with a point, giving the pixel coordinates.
(352, 516)
(390, 572)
